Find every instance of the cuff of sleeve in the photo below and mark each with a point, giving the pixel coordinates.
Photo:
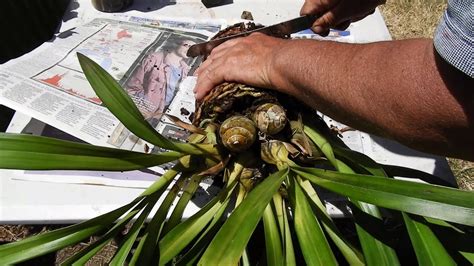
(454, 47)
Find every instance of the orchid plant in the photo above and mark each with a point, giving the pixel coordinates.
(282, 209)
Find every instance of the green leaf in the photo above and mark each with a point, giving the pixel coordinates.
(40, 153)
(282, 217)
(126, 246)
(427, 200)
(120, 104)
(272, 238)
(153, 229)
(373, 236)
(81, 257)
(51, 241)
(428, 248)
(469, 256)
(313, 242)
(323, 144)
(188, 193)
(181, 235)
(376, 250)
(191, 257)
(227, 246)
(360, 160)
(364, 161)
(144, 253)
(429, 251)
(454, 237)
(245, 259)
(352, 254)
(394, 170)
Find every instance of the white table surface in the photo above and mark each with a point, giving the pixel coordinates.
(40, 202)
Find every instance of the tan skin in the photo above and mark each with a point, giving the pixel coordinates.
(400, 90)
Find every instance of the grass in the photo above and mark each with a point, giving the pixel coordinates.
(464, 173)
(404, 19)
(412, 19)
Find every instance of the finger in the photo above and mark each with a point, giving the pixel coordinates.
(204, 65)
(205, 83)
(202, 85)
(342, 26)
(233, 48)
(325, 22)
(209, 77)
(218, 53)
(335, 16)
(211, 60)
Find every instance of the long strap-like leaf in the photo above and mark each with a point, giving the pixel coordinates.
(81, 257)
(364, 161)
(127, 243)
(143, 254)
(188, 193)
(227, 246)
(120, 104)
(311, 238)
(352, 255)
(376, 252)
(427, 200)
(287, 242)
(273, 245)
(428, 249)
(41, 153)
(51, 241)
(181, 235)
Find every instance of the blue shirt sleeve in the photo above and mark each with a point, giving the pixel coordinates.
(454, 39)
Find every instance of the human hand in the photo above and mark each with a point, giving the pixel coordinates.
(245, 60)
(338, 14)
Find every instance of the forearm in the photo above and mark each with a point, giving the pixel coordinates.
(392, 89)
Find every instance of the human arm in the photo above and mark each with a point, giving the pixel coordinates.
(398, 89)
